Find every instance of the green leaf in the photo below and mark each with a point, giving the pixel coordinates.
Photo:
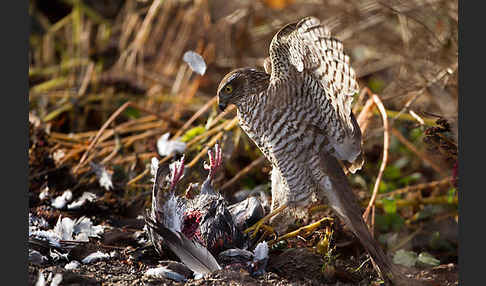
(428, 259)
(381, 223)
(415, 134)
(389, 222)
(383, 187)
(405, 258)
(193, 132)
(410, 178)
(392, 172)
(389, 205)
(396, 221)
(451, 194)
(132, 112)
(376, 84)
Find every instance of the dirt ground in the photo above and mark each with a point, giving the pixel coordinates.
(294, 267)
(107, 80)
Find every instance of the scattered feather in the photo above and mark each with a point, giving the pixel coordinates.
(58, 155)
(64, 228)
(72, 265)
(44, 194)
(260, 259)
(36, 223)
(41, 281)
(154, 166)
(47, 235)
(56, 255)
(104, 178)
(195, 61)
(62, 200)
(56, 280)
(166, 147)
(85, 197)
(235, 256)
(261, 251)
(95, 256)
(36, 257)
(85, 225)
(163, 272)
(68, 229)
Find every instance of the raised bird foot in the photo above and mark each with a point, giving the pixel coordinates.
(176, 172)
(215, 161)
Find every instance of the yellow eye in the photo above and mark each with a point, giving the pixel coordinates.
(228, 88)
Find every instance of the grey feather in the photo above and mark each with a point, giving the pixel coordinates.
(190, 252)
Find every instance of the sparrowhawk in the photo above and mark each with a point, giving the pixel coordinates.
(299, 115)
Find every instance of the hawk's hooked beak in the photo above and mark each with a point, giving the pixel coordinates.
(221, 103)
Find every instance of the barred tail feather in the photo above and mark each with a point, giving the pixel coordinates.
(343, 202)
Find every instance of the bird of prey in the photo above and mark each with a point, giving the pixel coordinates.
(299, 115)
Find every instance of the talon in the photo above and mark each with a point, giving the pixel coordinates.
(255, 228)
(304, 231)
(261, 222)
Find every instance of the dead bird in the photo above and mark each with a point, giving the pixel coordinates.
(166, 218)
(208, 217)
(195, 228)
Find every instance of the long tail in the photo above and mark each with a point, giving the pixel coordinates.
(190, 252)
(343, 201)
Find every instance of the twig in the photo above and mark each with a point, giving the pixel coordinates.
(205, 150)
(195, 116)
(86, 79)
(386, 141)
(419, 154)
(243, 172)
(221, 115)
(440, 200)
(95, 140)
(417, 187)
(365, 115)
(208, 133)
(137, 178)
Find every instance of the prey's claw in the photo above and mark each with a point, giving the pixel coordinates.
(214, 161)
(176, 172)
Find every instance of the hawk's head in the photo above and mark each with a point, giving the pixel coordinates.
(240, 83)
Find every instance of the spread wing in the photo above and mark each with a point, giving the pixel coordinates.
(307, 46)
(305, 53)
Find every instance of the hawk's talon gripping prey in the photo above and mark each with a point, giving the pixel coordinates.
(259, 224)
(304, 231)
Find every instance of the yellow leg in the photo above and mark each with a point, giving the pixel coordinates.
(260, 223)
(318, 208)
(305, 230)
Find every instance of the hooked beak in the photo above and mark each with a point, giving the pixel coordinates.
(222, 106)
